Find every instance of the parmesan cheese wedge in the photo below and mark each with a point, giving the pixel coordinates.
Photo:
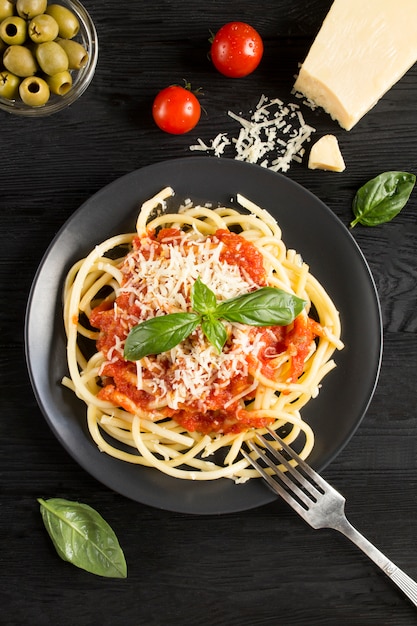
(360, 52)
(325, 155)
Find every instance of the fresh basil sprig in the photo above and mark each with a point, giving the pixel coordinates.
(203, 300)
(82, 537)
(382, 198)
(267, 306)
(215, 332)
(159, 334)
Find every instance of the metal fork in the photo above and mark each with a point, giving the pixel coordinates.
(318, 503)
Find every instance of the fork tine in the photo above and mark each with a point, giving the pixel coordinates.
(271, 482)
(314, 477)
(276, 486)
(280, 458)
(304, 498)
(299, 483)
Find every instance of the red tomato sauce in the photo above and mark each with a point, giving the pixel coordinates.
(238, 251)
(111, 326)
(225, 421)
(296, 339)
(217, 416)
(122, 375)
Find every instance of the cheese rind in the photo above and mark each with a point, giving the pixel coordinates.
(360, 52)
(325, 155)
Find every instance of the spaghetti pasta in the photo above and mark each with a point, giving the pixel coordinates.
(188, 411)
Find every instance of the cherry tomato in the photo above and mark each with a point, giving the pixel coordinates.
(236, 50)
(176, 110)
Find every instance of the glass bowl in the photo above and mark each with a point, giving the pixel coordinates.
(87, 36)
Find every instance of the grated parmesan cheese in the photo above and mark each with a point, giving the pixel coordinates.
(272, 137)
(160, 283)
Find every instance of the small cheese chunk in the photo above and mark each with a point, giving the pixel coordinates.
(325, 155)
(360, 52)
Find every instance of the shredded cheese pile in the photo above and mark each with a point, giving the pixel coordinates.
(160, 283)
(273, 137)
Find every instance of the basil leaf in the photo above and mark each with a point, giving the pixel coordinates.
(203, 300)
(215, 332)
(382, 198)
(82, 537)
(267, 306)
(159, 334)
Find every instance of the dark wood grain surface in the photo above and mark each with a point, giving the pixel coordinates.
(263, 566)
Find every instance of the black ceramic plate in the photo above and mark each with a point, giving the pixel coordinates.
(308, 226)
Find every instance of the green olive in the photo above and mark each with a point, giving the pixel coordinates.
(9, 85)
(34, 91)
(76, 53)
(43, 28)
(51, 58)
(60, 83)
(19, 60)
(68, 23)
(28, 9)
(6, 9)
(13, 30)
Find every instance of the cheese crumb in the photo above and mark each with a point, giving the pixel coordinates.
(325, 155)
(273, 136)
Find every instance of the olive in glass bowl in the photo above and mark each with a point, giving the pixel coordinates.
(43, 71)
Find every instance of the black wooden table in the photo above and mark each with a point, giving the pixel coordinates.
(263, 566)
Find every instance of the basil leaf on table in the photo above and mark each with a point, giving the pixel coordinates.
(267, 306)
(382, 198)
(159, 334)
(82, 537)
(215, 332)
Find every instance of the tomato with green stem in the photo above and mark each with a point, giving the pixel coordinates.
(236, 49)
(176, 110)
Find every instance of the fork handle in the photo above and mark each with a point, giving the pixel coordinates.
(407, 585)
